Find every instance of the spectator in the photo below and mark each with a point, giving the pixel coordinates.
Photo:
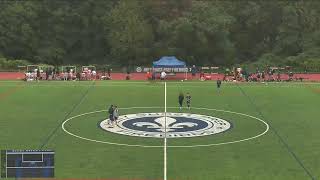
(109, 72)
(128, 75)
(94, 74)
(278, 77)
(38, 74)
(163, 75)
(47, 74)
(65, 76)
(202, 76)
(148, 75)
(78, 76)
(193, 71)
(153, 75)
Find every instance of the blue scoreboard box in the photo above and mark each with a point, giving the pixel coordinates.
(27, 164)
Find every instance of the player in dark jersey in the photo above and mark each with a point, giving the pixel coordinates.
(188, 97)
(181, 98)
(115, 114)
(218, 84)
(111, 117)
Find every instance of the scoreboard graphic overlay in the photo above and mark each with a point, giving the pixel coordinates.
(27, 164)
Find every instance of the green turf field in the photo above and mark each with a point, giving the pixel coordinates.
(32, 114)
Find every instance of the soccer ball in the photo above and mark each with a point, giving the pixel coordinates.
(181, 80)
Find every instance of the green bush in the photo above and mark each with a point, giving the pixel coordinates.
(6, 64)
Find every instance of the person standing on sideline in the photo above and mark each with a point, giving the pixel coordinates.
(188, 97)
(78, 76)
(193, 71)
(65, 76)
(115, 114)
(110, 111)
(181, 98)
(218, 85)
(163, 75)
(38, 75)
(47, 74)
(109, 72)
(153, 75)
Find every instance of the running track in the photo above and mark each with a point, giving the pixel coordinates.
(142, 76)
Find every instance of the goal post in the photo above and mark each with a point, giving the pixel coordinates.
(68, 69)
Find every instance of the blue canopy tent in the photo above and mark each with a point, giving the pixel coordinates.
(170, 62)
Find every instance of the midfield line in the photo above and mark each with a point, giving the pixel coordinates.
(165, 134)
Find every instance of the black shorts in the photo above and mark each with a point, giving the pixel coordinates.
(111, 118)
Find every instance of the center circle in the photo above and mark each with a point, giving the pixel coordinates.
(64, 124)
(170, 125)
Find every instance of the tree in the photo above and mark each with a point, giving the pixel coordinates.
(202, 33)
(131, 36)
(130, 32)
(18, 29)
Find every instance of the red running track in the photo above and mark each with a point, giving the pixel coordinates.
(11, 75)
(142, 76)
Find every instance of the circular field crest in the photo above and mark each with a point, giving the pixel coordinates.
(170, 125)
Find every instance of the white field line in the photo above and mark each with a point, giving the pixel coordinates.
(159, 146)
(165, 133)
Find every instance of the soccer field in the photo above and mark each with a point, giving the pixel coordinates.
(273, 133)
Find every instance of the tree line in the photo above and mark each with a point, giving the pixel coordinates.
(136, 32)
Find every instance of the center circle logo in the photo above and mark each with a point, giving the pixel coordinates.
(174, 125)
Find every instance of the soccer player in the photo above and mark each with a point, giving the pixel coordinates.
(110, 111)
(115, 114)
(218, 84)
(188, 97)
(181, 98)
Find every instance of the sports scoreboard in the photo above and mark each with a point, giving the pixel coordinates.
(27, 164)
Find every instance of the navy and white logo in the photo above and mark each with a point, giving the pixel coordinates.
(173, 125)
(139, 69)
